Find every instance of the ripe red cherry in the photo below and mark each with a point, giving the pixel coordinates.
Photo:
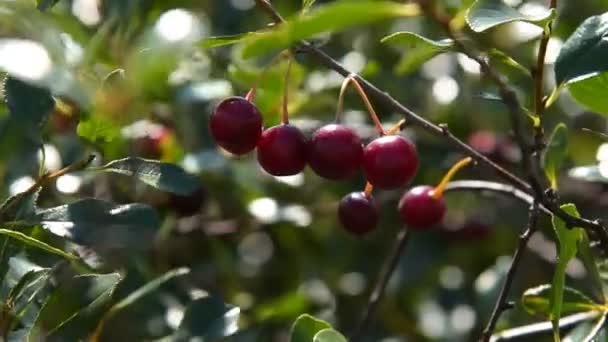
(419, 209)
(390, 162)
(283, 150)
(358, 214)
(236, 125)
(336, 152)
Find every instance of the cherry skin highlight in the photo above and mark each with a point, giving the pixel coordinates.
(358, 214)
(236, 125)
(419, 209)
(390, 162)
(283, 150)
(336, 152)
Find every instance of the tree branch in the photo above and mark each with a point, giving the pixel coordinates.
(390, 264)
(501, 302)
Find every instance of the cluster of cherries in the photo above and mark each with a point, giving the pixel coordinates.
(335, 152)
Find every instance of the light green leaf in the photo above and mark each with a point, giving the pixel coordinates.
(591, 92)
(585, 52)
(34, 243)
(537, 301)
(306, 4)
(213, 42)
(567, 245)
(555, 154)
(417, 49)
(306, 327)
(485, 14)
(332, 17)
(505, 63)
(329, 335)
(97, 129)
(163, 176)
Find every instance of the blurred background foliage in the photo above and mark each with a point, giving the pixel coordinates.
(134, 78)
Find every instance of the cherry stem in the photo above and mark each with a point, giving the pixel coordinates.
(285, 117)
(352, 78)
(252, 92)
(396, 128)
(368, 190)
(438, 191)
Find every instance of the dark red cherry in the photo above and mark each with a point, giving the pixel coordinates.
(358, 214)
(236, 125)
(188, 205)
(335, 152)
(419, 209)
(390, 162)
(283, 150)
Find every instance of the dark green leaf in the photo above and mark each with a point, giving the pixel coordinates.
(417, 49)
(537, 300)
(103, 225)
(74, 307)
(43, 5)
(306, 327)
(329, 335)
(208, 318)
(556, 152)
(585, 52)
(27, 280)
(485, 14)
(567, 244)
(32, 242)
(332, 17)
(29, 106)
(591, 92)
(213, 42)
(163, 176)
(589, 173)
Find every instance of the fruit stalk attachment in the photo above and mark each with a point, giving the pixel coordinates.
(352, 78)
(285, 114)
(438, 191)
(369, 188)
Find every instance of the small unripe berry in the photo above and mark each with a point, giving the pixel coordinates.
(336, 152)
(390, 162)
(358, 214)
(283, 150)
(419, 209)
(236, 125)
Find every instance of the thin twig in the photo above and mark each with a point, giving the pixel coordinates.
(388, 269)
(502, 301)
(12, 202)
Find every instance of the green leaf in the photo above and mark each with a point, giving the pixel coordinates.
(306, 327)
(163, 176)
(102, 225)
(590, 173)
(417, 49)
(97, 129)
(485, 14)
(537, 301)
(208, 318)
(556, 152)
(136, 295)
(591, 92)
(332, 17)
(29, 106)
(329, 335)
(213, 42)
(505, 63)
(567, 245)
(589, 260)
(34, 243)
(585, 52)
(74, 307)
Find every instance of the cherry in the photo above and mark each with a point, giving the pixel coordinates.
(188, 205)
(358, 213)
(283, 150)
(390, 161)
(336, 152)
(419, 209)
(236, 125)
